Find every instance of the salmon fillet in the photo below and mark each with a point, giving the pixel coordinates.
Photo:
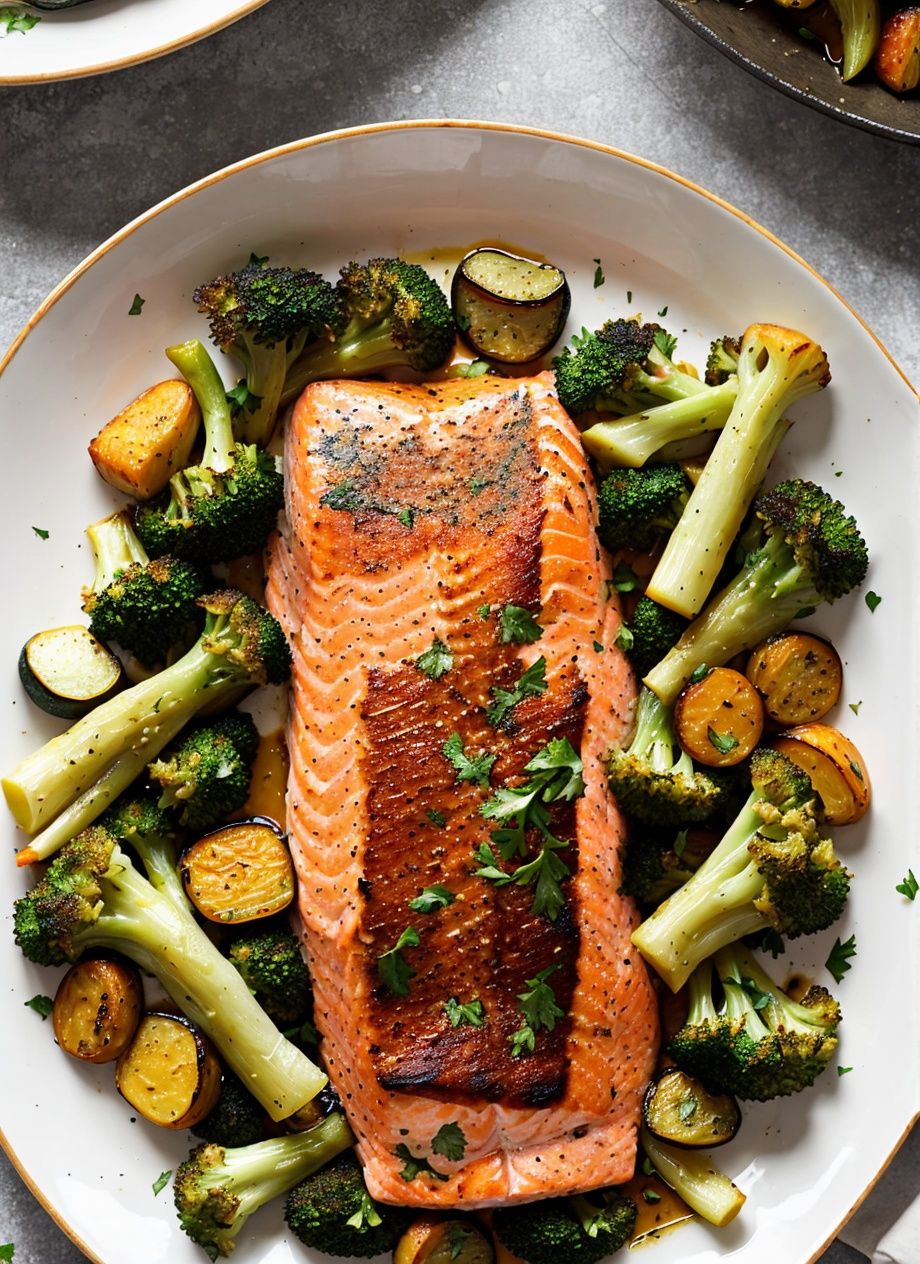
(415, 514)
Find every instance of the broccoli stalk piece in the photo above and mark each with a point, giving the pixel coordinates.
(227, 504)
(649, 783)
(586, 1228)
(776, 368)
(653, 630)
(207, 776)
(771, 869)
(331, 1211)
(149, 831)
(273, 967)
(265, 317)
(71, 779)
(92, 897)
(636, 507)
(396, 316)
(147, 607)
(809, 551)
(759, 1043)
(693, 1175)
(218, 1189)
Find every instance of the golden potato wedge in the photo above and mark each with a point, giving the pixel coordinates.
(169, 1073)
(836, 768)
(719, 719)
(897, 58)
(140, 449)
(97, 1008)
(799, 677)
(239, 872)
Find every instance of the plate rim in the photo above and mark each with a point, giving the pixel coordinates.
(123, 63)
(310, 142)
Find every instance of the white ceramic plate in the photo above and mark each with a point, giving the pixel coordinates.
(110, 34)
(804, 1163)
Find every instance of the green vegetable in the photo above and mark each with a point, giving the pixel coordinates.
(207, 775)
(638, 507)
(273, 967)
(436, 661)
(331, 1211)
(654, 631)
(42, 1005)
(581, 1230)
(161, 1181)
(137, 305)
(838, 961)
(860, 21)
(236, 1120)
(909, 886)
(693, 1175)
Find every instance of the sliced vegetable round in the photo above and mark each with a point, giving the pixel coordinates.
(719, 719)
(169, 1073)
(509, 308)
(66, 671)
(240, 872)
(799, 677)
(97, 1008)
(680, 1111)
(835, 766)
(431, 1241)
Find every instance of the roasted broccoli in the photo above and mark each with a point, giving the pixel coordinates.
(75, 776)
(150, 831)
(746, 1036)
(771, 868)
(653, 631)
(637, 507)
(396, 315)
(227, 504)
(206, 776)
(653, 785)
(272, 964)
(265, 317)
(218, 1189)
(148, 607)
(722, 360)
(236, 1120)
(807, 551)
(586, 1228)
(776, 367)
(92, 897)
(693, 1175)
(331, 1211)
(656, 862)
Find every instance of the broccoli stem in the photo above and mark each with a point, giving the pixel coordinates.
(360, 349)
(654, 737)
(198, 369)
(634, 439)
(115, 547)
(151, 929)
(763, 598)
(697, 1180)
(270, 1168)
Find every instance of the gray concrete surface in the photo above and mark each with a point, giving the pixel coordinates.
(79, 159)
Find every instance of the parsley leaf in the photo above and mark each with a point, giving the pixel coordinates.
(41, 1004)
(773, 943)
(476, 769)
(723, 742)
(624, 639)
(540, 1011)
(136, 305)
(838, 961)
(687, 1108)
(484, 612)
(450, 1142)
(530, 683)
(241, 398)
(367, 1216)
(161, 1181)
(666, 343)
(873, 601)
(457, 1235)
(698, 674)
(760, 1000)
(257, 261)
(415, 1166)
(599, 277)
(406, 517)
(432, 899)
(468, 1014)
(909, 886)
(651, 1196)
(854, 706)
(436, 661)
(41, 533)
(15, 20)
(518, 625)
(394, 971)
(7, 1250)
(436, 817)
(476, 368)
(844, 1070)
(624, 579)
(629, 296)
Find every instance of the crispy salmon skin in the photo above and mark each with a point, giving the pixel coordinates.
(416, 515)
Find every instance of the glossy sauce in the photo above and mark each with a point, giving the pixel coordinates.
(269, 779)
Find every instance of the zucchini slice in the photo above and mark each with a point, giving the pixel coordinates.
(239, 872)
(509, 308)
(432, 1241)
(169, 1072)
(66, 671)
(680, 1111)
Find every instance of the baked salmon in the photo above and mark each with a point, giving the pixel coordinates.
(416, 515)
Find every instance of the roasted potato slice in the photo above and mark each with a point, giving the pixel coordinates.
(140, 449)
(719, 719)
(169, 1073)
(97, 1008)
(432, 1241)
(836, 768)
(239, 872)
(799, 677)
(897, 58)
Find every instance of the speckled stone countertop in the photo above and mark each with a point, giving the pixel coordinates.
(80, 159)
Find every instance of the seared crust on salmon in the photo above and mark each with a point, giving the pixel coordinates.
(415, 515)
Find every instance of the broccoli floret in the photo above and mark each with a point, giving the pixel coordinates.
(693, 1175)
(236, 1120)
(218, 1189)
(265, 317)
(148, 607)
(92, 897)
(653, 786)
(149, 830)
(331, 1211)
(654, 630)
(586, 1229)
(809, 552)
(657, 862)
(754, 1041)
(771, 868)
(208, 774)
(227, 504)
(396, 316)
(273, 968)
(722, 361)
(75, 776)
(776, 368)
(637, 507)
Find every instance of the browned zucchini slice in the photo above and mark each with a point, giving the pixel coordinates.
(836, 768)
(239, 872)
(97, 1008)
(509, 308)
(432, 1241)
(66, 671)
(799, 677)
(719, 719)
(169, 1073)
(679, 1110)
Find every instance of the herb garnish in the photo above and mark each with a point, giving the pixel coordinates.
(406, 517)
(468, 1014)
(838, 962)
(367, 1216)
(624, 579)
(540, 1011)
(432, 899)
(724, 743)
(394, 971)
(873, 601)
(759, 1000)
(518, 625)
(161, 1182)
(436, 817)
(484, 612)
(257, 261)
(450, 1142)
(475, 368)
(909, 886)
(844, 1070)
(599, 277)
(476, 769)
(529, 684)
(241, 397)
(7, 1250)
(665, 342)
(457, 1235)
(415, 1166)
(436, 661)
(41, 533)
(41, 1004)
(15, 20)
(687, 1108)
(136, 305)
(651, 1196)
(624, 639)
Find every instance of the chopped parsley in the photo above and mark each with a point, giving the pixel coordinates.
(599, 277)
(432, 899)
(651, 1196)
(161, 1182)
(394, 971)
(476, 769)
(629, 296)
(624, 639)
(873, 601)
(367, 1216)
(406, 517)
(538, 1007)
(844, 1070)
(909, 886)
(41, 1004)
(484, 612)
(450, 1142)
(136, 306)
(478, 485)
(468, 1014)
(687, 1108)
(665, 342)
(838, 961)
(773, 943)
(598, 648)
(241, 398)
(41, 533)
(436, 661)
(531, 682)
(436, 817)
(15, 20)
(724, 743)
(698, 674)
(518, 625)
(457, 1235)
(7, 1250)
(415, 1166)
(854, 706)
(759, 1000)
(663, 312)
(257, 261)
(624, 579)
